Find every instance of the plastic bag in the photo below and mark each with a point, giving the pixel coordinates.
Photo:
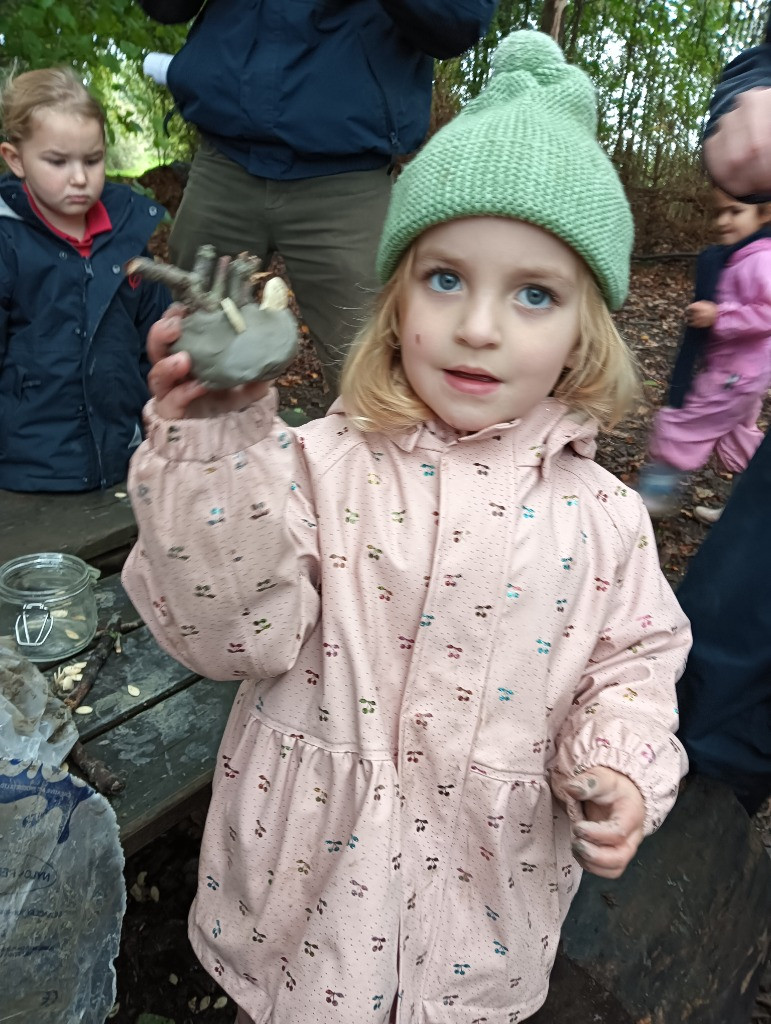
(62, 894)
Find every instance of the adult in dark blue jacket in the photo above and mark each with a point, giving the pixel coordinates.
(72, 345)
(725, 692)
(303, 108)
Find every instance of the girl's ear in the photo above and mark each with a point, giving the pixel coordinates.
(12, 157)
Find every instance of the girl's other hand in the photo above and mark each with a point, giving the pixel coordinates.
(701, 314)
(177, 394)
(612, 829)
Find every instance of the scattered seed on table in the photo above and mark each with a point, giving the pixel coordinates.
(219, 1003)
(204, 1004)
(66, 684)
(59, 613)
(155, 894)
(72, 634)
(133, 690)
(173, 979)
(121, 494)
(84, 709)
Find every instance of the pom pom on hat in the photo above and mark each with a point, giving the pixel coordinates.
(524, 148)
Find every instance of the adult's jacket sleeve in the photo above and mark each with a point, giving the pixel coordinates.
(441, 28)
(226, 526)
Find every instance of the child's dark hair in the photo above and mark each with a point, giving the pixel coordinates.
(26, 95)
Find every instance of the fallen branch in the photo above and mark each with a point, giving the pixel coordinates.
(122, 628)
(96, 772)
(96, 659)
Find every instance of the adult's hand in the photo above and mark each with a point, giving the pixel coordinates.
(737, 153)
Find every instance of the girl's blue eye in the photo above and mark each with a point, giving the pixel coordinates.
(535, 298)
(444, 281)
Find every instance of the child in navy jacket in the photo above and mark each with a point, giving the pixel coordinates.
(73, 366)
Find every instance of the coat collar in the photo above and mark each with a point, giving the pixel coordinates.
(533, 440)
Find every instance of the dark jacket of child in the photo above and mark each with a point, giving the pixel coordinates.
(73, 366)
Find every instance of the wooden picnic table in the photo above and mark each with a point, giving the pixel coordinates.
(97, 526)
(162, 743)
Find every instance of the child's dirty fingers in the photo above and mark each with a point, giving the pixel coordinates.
(168, 373)
(604, 861)
(162, 335)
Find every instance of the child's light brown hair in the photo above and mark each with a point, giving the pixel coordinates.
(602, 382)
(24, 96)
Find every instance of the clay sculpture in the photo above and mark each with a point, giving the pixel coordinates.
(229, 338)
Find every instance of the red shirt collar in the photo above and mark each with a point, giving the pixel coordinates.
(97, 222)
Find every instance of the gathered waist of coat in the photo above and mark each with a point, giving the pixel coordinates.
(279, 162)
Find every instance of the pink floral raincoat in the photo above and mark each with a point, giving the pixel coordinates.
(435, 632)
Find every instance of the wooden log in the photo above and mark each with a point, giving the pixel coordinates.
(682, 936)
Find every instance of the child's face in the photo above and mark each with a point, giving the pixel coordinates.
(62, 164)
(736, 221)
(489, 319)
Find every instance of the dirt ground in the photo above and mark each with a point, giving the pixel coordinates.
(159, 979)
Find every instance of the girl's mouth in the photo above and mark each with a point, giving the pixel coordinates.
(471, 382)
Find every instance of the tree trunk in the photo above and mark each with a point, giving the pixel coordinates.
(551, 18)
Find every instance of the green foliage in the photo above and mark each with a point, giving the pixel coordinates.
(655, 63)
(106, 41)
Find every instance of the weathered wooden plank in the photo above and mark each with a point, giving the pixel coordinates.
(90, 525)
(143, 664)
(112, 599)
(166, 758)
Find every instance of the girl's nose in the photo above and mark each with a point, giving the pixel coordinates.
(479, 326)
(78, 173)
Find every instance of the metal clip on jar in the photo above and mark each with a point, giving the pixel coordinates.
(47, 605)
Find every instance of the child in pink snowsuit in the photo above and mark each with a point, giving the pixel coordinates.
(457, 648)
(722, 405)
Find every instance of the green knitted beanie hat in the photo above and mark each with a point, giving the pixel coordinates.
(525, 148)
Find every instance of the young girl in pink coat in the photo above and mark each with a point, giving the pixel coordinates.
(721, 406)
(458, 650)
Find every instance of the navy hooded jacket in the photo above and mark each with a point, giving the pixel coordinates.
(305, 88)
(73, 365)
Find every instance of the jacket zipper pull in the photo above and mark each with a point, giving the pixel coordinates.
(87, 268)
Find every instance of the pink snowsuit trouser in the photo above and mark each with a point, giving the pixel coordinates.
(719, 414)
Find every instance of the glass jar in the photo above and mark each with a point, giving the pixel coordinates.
(47, 605)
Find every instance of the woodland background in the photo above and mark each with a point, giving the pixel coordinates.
(655, 63)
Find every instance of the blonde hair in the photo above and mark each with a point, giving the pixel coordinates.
(24, 96)
(602, 382)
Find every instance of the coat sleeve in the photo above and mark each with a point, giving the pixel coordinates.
(155, 299)
(225, 568)
(624, 711)
(748, 317)
(171, 12)
(6, 288)
(439, 28)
